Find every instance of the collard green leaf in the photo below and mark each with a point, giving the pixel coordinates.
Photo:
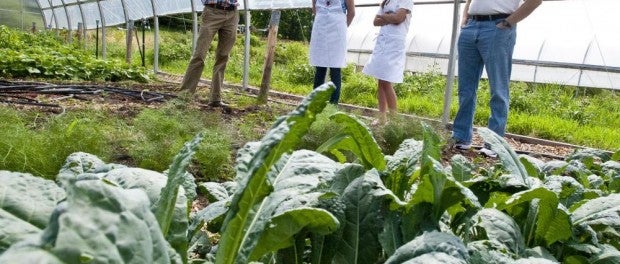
(442, 192)
(98, 223)
(83, 167)
(589, 153)
(556, 167)
(461, 168)
(431, 244)
(552, 222)
(212, 215)
(532, 165)
(510, 159)
(532, 260)
(611, 168)
(283, 227)
(607, 255)
(488, 251)
(243, 161)
(401, 167)
(365, 200)
(357, 138)
(603, 211)
(435, 257)
(80, 163)
(29, 198)
(567, 189)
(298, 180)
(253, 186)
(153, 183)
(498, 227)
(540, 252)
(165, 206)
(214, 191)
(26, 204)
(13, 230)
(431, 149)
(391, 237)
(339, 142)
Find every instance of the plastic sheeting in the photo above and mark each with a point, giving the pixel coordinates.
(563, 42)
(572, 42)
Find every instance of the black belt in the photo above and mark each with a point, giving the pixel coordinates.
(222, 7)
(488, 17)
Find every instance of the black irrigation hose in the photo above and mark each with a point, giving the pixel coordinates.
(29, 102)
(7, 87)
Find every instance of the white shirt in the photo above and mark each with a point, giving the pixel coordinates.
(391, 6)
(492, 7)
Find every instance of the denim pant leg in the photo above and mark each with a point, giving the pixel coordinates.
(470, 65)
(336, 77)
(498, 67)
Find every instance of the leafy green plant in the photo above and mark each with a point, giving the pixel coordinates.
(287, 205)
(42, 56)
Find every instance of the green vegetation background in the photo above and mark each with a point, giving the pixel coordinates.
(581, 116)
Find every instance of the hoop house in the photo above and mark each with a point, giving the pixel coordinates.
(573, 42)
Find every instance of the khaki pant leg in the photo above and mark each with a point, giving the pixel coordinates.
(208, 27)
(227, 35)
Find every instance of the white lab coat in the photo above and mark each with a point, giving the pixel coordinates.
(328, 41)
(387, 61)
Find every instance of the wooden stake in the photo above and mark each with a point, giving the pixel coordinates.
(269, 56)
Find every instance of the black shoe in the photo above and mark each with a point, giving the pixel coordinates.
(219, 104)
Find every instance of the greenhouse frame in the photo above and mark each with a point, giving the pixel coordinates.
(571, 42)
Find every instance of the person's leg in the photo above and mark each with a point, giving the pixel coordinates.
(382, 102)
(390, 96)
(387, 100)
(227, 34)
(499, 68)
(208, 28)
(470, 67)
(336, 77)
(319, 76)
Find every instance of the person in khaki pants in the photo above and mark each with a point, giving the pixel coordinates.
(221, 17)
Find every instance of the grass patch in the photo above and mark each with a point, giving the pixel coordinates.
(39, 143)
(582, 113)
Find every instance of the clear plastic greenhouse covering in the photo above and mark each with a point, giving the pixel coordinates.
(573, 42)
(565, 42)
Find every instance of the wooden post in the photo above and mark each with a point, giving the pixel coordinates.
(79, 32)
(128, 41)
(269, 56)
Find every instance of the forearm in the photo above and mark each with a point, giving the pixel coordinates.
(393, 18)
(465, 16)
(350, 11)
(523, 11)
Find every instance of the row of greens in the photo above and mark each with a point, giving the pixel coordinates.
(42, 55)
(294, 206)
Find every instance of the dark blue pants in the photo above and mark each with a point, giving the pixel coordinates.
(334, 75)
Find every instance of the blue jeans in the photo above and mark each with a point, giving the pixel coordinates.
(334, 76)
(482, 45)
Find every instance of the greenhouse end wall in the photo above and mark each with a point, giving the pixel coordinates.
(22, 14)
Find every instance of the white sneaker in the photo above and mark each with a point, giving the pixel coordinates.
(488, 152)
(460, 145)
